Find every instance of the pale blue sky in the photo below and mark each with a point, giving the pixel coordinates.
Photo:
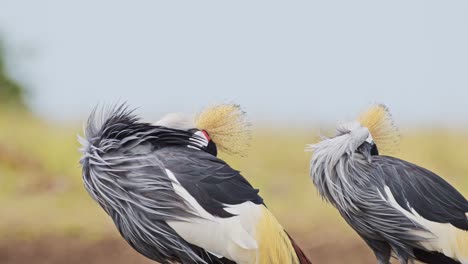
(298, 61)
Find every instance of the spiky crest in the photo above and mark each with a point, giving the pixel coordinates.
(227, 126)
(381, 126)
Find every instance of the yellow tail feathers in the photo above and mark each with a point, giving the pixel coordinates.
(379, 121)
(274, 244)
(227, 127)
(461, 247)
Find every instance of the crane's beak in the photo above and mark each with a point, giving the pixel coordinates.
(369, 148)
(373, 151)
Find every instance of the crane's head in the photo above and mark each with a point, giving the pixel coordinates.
(348, 153)
(222, 127)
(372, 133)
(383, 134)
(353, 137)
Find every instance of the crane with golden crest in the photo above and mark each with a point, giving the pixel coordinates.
(171, 198)
(400, 209)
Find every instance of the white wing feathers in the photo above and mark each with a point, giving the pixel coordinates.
(233, 237)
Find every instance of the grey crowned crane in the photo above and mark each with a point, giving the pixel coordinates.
(397, 207)
(171, 198)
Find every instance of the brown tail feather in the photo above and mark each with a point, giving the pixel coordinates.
(300, 255)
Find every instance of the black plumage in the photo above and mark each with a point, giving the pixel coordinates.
(212, 182)
(422, 190)
(432, 257)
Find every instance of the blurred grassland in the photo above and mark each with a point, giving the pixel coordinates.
(41, 191)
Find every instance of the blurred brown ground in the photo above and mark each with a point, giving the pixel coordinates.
(116, 251)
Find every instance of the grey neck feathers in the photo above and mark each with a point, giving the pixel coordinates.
(336, 166)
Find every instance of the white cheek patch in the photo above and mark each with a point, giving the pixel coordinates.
(204, 139)
(369, 139)
(200, 140)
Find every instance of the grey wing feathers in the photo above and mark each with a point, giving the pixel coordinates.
(377, 220)
(367, 210)
(123, 175)
(422, 190)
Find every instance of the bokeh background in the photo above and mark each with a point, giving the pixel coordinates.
(297, 68)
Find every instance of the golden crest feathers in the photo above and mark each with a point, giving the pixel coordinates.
(380, 123)
(226, 124)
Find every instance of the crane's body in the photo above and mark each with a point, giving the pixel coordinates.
(397, 207)
(173, 200)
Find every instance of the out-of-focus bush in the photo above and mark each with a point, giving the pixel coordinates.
(11, 92)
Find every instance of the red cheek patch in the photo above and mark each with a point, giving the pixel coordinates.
(206, 135)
